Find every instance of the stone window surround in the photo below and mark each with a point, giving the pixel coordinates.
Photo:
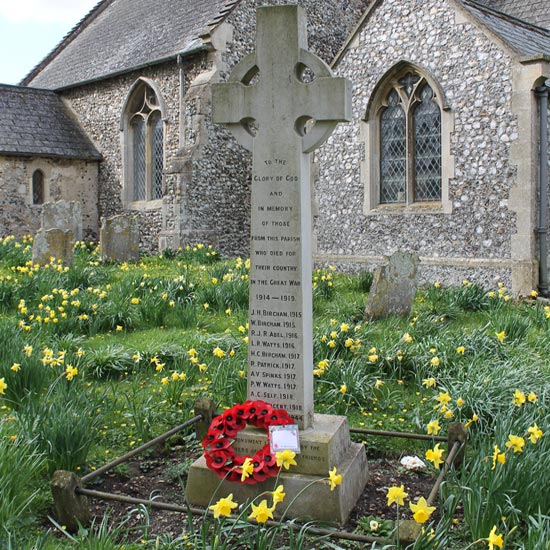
(370, 132)
(36, 173)
(126, 146)
(35, 165)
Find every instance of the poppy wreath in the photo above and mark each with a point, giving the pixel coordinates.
(218, 442)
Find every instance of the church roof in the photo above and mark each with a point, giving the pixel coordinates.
(536, 12)
(121, 35)
(37, 122)
(524, 38)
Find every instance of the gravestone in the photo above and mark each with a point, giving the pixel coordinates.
(393, 287)
(52, 243)
(119, 238)
(270, 105)
(64, 215)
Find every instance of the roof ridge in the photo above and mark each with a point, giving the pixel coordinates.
(68, 38)
(502, 15)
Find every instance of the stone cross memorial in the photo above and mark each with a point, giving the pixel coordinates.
(282, 102)
(267, 104)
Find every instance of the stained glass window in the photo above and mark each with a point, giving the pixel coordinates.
(410, 143)
(427, 148)
(138, 132)
(157, 156)
(145, 157)
(393, 151)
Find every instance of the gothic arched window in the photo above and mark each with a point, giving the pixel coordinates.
(408, 162)
(410, 143)
(38, 187)
(143, 127)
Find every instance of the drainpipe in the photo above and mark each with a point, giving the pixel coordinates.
(182, 95)
(542, 93)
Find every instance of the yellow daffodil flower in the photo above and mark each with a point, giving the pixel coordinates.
(285, 459)
(262, 512)
(27, 350)
(379, 383)
(433, 427)
(429, 382)
(218, 352)
(16, 367)
(278, 495)
(396, 495)
(407, 338)
(519, 398)
(135, 301)
(535, 433)
(532, 397)
(224, 506)
(494, 540)
(460, 350)
(500, 336)
(498, 456)
(3, 386)
(70, 372)
(247, 469)
(334, 479)
(421, 511)
(435, 361)
(344, 327)
(343, 389)
(434, 455)
(443, 398)
(516, 443)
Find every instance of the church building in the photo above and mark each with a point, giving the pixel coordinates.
(442, 158)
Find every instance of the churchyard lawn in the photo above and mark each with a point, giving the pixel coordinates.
(96, 359)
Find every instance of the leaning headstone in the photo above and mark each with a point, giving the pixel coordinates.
(119, 238)
(393, 287)
(270, 118)
(52, 243)
(64, 215)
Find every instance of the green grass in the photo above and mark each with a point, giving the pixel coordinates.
(139, 341)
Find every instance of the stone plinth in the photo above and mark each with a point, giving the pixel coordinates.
(325, 446)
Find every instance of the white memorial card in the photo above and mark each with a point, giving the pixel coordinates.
(284, 438)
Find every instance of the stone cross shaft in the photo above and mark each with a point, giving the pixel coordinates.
(275, 111)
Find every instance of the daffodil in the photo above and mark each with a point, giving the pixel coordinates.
(285, 459)
(443, 398)
(247, 469)
(434, 455)
(262, 512)
(494, 540)
(16, 367)
(435, 361)
(500, 336)
(70, 372)
(278, 495)
(460, 350)
(218, 352)
(516, 443)
(407, 338)
(396, 495)
(343, 388)
(532, 397)
(519, 398)
(224, 506)
(334, 479)
(433, 427)
(498, 456)
(535, 433)
(3, 386)
(421, 511)
(429, 382)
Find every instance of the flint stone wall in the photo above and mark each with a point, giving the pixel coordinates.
(476, 77)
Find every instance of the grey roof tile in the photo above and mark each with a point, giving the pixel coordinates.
(121, 35)
(536, 12)
(37, 122)
(523, 37)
